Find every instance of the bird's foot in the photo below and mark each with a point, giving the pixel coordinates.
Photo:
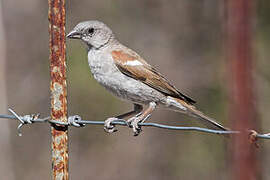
(108, 126)
(133, 123)
(130, 120)
(135, 126)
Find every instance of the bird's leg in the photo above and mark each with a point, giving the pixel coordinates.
(141, 118)
(110, 128)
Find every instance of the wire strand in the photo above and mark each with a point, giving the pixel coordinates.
(76, 121)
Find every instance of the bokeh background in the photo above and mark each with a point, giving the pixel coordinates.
(184, 39)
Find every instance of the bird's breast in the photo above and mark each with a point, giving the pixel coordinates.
(108, 75)
(101, 64)
(104, 70)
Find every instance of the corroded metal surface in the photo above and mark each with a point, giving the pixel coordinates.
(58, 88)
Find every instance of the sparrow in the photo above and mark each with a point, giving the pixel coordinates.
(128, 76)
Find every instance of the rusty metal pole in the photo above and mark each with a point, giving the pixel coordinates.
(58, 88)
(244, 164)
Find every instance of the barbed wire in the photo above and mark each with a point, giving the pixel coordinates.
(77, 121)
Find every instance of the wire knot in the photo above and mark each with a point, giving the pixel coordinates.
(26, 119)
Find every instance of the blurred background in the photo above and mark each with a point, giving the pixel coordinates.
(184, 39)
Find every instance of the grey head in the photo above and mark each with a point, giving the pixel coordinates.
(94, 33)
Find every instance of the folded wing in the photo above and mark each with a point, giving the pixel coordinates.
(132, 65)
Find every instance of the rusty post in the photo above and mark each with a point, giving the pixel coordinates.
(58, 88)
(245, 164)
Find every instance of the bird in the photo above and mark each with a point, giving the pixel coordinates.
(128, 76)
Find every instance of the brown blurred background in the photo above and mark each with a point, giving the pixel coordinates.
(184, 39)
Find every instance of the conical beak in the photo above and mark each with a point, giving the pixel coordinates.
(74, 35)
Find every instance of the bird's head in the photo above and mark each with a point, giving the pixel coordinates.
(94, 33)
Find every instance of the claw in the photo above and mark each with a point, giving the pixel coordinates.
(134, 125)
(108, 127)
(110, 130)
(129, 121)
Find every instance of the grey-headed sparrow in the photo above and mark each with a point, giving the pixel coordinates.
(128, 76)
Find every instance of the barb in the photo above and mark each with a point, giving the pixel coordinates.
(77, 121)
(26, 119)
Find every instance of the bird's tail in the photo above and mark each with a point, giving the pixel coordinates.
(182, 106)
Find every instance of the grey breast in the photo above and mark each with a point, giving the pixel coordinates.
(107, 74)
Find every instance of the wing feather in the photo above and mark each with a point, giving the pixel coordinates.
(146, 74)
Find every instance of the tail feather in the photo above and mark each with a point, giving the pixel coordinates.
(207, 121)
(191, 110)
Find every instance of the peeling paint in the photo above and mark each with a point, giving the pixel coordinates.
(56, 28)
(57, 92)
(55, 69)
(55, 48)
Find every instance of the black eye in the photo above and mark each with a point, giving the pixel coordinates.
(90, 31)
